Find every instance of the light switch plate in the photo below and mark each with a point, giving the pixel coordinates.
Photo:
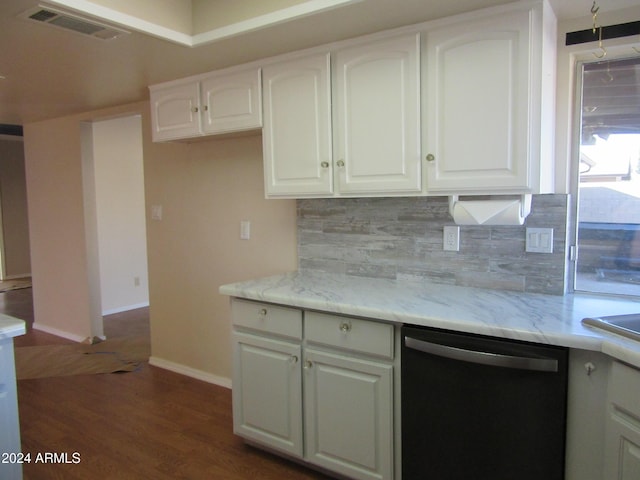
(156, 212)
(245, 230)
(539, 240)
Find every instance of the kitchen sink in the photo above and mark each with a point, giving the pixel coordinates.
(625, 325)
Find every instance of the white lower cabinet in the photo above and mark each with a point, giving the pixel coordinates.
(348, 414)
(267, 381)
(9, 421)
(267, 392)
(586, 405)
(325, 397)
(622, 439)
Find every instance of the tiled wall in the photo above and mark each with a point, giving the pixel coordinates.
(401, 238)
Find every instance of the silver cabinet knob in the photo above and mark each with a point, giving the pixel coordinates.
(430, 157)
(340, 163)
(345, 327)
(293, 359)
(263, 312)
(324, 164)
(307, 364)
(195, 109)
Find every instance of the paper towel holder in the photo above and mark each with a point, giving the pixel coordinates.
(493, 211)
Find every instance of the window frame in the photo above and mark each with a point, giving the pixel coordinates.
(580, 59)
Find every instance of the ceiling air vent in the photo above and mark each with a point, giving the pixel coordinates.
(72, 22)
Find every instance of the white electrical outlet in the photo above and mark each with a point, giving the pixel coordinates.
(451, 238)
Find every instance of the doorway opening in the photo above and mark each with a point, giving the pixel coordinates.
(115, 217)
(15, 255)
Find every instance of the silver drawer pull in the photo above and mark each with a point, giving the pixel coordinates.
(263, 312)
(345, 327)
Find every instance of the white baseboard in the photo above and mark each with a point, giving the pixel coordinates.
(57, 332)
(111, 311)
(190, 372)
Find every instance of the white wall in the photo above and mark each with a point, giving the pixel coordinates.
(120, 213)
(94, 300)
(53, 163)
(206, 189)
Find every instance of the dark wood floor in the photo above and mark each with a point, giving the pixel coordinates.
(147, 424)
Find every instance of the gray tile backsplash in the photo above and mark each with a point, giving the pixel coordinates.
(401, 238)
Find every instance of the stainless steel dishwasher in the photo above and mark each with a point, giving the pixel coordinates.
(477, 407)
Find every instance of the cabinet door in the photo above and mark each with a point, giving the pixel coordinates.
(622, 441)
(377, 117)
(629, 462)
(297, 127)
(232, 102)
(349, 415)
(476, 107)
(267, 392)
(175, 112)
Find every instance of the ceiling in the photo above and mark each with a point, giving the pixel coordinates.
(49, 72)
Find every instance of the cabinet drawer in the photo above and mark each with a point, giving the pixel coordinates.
(267, 318)
(349, 333)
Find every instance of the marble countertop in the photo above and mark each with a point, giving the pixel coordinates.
(11, 327)
(547, 319)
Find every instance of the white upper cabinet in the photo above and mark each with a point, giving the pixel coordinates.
(232, 102)
(374, 122)
(488, 103)
(463, 105)
(377, 117)
(297, 127)
(175, 111)
(220, 102)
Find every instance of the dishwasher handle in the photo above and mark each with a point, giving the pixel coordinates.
(483, 358)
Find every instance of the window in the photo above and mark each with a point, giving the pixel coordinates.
(609, 179)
